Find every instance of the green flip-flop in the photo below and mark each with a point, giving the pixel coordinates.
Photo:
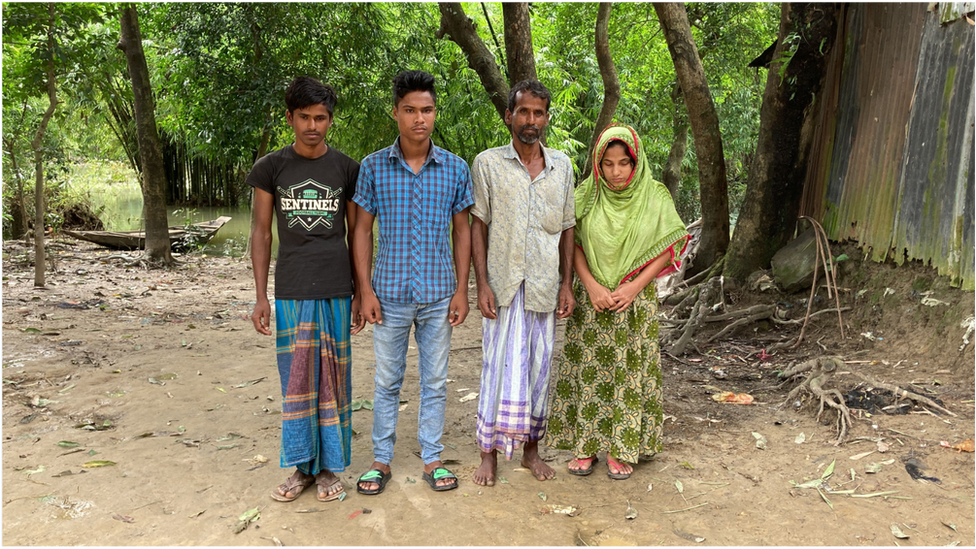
(437, 474)
(376, 476)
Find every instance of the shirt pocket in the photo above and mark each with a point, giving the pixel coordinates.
(549, 198)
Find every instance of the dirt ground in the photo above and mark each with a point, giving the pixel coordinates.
(155, 371)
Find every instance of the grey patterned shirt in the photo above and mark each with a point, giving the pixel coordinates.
(525, 219)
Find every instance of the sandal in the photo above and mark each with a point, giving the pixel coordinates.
(617, 465)
(440, 473)
(292, 484)
(583, 472)
(324, 488)
(376, 476)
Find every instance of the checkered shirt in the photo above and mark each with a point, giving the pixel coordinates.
(414, 262)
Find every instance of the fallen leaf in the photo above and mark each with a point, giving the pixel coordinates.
(687, 465)
(949, 525)
(631, 513)
(828, 471)
(732, 398)
(409, 480)
(197, 514)
(896, 531)
(221, 389)
(40, 469)
(883, 446)
(560, 509)
(800, 438)
(859, 456)
(68, 444)
(872, 468)
(468, 397)
(543, 496)
(649, 486)
(250, 515)
(228, 446)
(123, 518)
(249, 383)
(502, 480)
(679, 486)
(760, 441)
(97, 463)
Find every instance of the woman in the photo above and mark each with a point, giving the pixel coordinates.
(608, 389)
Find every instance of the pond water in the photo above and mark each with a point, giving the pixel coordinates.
(122, 211)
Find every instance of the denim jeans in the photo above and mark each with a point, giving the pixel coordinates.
(390, 339)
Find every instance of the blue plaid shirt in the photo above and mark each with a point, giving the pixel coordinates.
(414, 262)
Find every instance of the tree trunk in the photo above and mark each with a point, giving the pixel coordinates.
(704, 126)
(671, 176)
(36, 145)
(518, 42)
(461, 30)
(778, 169)
(150, 151)
(611, 84)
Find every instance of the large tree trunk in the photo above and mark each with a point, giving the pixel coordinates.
(611, 84)
(150, 151)
(461, 30)
(704, 126)
(671, 175)
(36, 145)
(518, 42)
(775, 186)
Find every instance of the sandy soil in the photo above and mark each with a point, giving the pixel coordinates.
(154, 371)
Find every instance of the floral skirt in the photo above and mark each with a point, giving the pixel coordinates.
(608, 393)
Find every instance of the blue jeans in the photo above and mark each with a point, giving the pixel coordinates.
(390, 339)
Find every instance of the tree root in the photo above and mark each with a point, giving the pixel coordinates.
(709, 292)
(819, 371)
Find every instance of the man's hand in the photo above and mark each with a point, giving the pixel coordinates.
(356, 316)
(566, 301)
(486, 302)
(600, 297)
(370, 309)
(261, 317)
(457, 311)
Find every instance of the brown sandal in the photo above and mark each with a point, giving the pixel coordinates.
(290, 485)
(324, 487)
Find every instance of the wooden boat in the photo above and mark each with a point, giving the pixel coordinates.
(180, 238)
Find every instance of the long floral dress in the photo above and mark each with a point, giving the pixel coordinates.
(608, 391)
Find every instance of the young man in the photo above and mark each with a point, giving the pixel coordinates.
(308, 185)
(417, 190)
(522, 244)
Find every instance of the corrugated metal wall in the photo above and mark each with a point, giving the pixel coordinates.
(892, 166)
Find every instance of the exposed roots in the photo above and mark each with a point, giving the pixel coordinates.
(816, 373)
(708, 294)
(821, 370)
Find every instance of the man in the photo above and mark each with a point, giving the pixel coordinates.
(522, 244)
(416, 189)
(308, 185)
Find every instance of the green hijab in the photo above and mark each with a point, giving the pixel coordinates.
(622, 230)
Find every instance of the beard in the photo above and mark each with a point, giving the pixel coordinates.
(528, 139)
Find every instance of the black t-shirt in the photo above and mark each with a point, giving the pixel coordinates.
(310, 205)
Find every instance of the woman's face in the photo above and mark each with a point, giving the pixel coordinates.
(616, 164)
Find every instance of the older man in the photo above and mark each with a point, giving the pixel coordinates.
(522, 245)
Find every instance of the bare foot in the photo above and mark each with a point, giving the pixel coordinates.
(293, 486)
(370, 486)
(329, 486)
(532, 461)
(429, 469)
(619, 470)
(485, 475)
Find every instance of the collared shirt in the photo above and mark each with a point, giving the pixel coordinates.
(414, 262)
(525, 219)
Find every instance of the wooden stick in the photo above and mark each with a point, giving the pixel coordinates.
(685, 509)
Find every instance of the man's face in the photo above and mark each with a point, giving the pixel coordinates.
(415, 116)
(310, 124)
(529, 118)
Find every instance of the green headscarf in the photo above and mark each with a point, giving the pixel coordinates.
(621, 230)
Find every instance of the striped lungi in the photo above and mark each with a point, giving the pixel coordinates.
(515, 376)
(314, 364)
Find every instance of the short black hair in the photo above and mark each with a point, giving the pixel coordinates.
(411, 81)
(305, 91)
(532, 86)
